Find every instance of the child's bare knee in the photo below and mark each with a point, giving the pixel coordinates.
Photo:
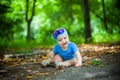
(58, 58)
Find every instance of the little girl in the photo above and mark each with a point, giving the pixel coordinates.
(64, 53)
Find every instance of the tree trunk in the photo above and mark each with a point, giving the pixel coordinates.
(87, 21)
(104, 14)
(29, 20)
(28, 30)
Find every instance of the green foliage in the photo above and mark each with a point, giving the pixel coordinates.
(105, 37)
(97, 63)
(4, 6)
(53, 14)
(9, 25)
(20, 45)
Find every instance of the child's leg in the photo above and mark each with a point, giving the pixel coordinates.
(71, 62)
(59, 61)
(57, 58)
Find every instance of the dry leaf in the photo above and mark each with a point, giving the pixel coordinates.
(29, 77)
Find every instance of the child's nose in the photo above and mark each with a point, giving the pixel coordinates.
(63, 41)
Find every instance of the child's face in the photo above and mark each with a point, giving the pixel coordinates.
(63, 41)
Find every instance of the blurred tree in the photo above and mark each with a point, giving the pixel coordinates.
(112, 15)
(5, 22)
(107, 12)
(104, 15)
(9, 23)
(117, 4)
(86, 11)
(43, 17)
(28, 20)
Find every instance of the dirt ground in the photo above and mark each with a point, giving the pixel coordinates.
(101, 67)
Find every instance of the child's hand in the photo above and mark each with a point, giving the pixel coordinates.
(78, 65)
(51, 54)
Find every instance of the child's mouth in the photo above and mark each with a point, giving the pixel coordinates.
(64, 44)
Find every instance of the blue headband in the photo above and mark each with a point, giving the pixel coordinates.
(59, 32)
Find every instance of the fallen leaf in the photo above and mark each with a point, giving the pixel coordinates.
(29, 76)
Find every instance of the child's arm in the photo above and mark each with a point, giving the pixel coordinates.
(79, 59)
(51, 54)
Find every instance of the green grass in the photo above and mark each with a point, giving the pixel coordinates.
(101, 38)
(22, 45)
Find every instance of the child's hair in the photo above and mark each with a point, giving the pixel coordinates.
(58, 32)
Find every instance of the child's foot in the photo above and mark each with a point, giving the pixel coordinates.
(58, 65)
(45, 62)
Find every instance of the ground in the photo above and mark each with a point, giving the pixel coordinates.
(100, 62)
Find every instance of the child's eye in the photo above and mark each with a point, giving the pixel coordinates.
(65, 38)
(60, 40)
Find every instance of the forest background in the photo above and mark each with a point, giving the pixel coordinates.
(31, 23)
